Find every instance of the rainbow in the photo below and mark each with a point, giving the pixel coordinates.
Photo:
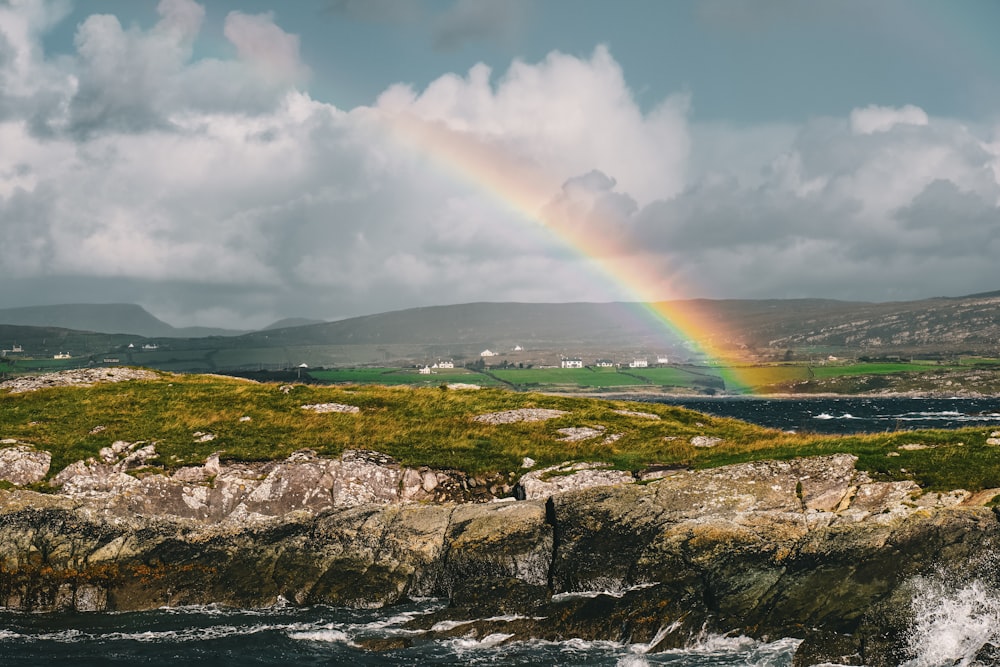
(528, 189)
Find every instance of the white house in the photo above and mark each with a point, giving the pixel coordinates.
(638, 363)
(488, 353)
(574, 362)
(425, 370)
(604, 363)
(518, 348)
(444, 364)
(663, 360)
(61, 355)
(150, 346)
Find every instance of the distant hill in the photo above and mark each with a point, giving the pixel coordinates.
(945, 324)
(290, 322)
(487, 324)
(756, 329)
(110, 318)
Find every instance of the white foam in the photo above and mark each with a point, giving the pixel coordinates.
(612, 591)
(189, 634)
(751, 652)
(329, 636)
(952, 623)
(632, 661)
(444, 626)
(657, 638)
(489, 641)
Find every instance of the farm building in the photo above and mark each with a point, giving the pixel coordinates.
(604, 363)
(638, 363)
(425, 370)
(574, 362)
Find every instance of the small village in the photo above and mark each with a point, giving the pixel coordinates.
(548, 359)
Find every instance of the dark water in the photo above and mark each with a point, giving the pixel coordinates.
(849, 415)
(320, 636)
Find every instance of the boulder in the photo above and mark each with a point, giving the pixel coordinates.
(22, 465)
(540, 484)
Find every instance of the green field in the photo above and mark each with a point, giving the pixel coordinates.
(401, 376)
(429, 426)
(48, 365)
(679, 376)
(770, 377)
(577, 377)
(864, 368)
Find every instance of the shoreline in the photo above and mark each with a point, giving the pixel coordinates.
(627, 395)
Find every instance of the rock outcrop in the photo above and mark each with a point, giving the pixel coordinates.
(808, 548)
(21, 464)
(121, 485)
(81, 377)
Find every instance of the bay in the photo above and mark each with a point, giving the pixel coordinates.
(851, 414)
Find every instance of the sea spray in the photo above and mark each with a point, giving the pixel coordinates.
(954, 623)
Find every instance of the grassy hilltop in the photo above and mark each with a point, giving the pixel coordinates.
(436, 427)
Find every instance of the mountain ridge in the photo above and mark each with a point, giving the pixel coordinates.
(108, 318)
(765, 329)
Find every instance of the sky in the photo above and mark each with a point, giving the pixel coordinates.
(234, 163)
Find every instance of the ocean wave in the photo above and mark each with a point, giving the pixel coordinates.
(468, 643)
(944, 415)
(329, 636)
(196, 634)
(953, 622)
(611, 590)
(444, 626)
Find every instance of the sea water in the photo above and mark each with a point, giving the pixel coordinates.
(323, 636)
(854, 414)
(954, 621)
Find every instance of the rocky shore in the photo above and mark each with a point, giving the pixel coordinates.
(806, 548)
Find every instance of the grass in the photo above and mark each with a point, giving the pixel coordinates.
(401, 376)
(679, 376)
(579, 377)
(874, 368)
(435, 427)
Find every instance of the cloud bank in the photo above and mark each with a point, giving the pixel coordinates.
(217, 191)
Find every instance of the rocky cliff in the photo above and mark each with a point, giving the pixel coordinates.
(806, 548)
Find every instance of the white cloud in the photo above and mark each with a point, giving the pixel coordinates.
(259, 41)
(874, 118)
(567, 114)
(134, 170)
